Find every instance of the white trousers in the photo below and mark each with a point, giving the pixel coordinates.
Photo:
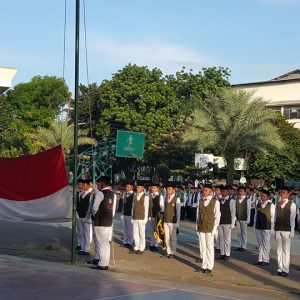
(128, 230)
(139, 235)
(152, 229)
(200, 246)
(263, 242)
(84, 234)
(242, 233)
(208, 251)
(170, 237)
(283, 243)
(217, 240)
(225, 238)
(102, 236)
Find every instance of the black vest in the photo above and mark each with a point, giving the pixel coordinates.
(263, 217)
(225, 213)
(283, 217)
(154, 206)
(170, 214)
(104, 214)
(127, 205)
(83, 205)
(242, 210)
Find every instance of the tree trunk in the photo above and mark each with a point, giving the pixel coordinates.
(229, 170)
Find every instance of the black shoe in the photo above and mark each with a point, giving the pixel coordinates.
(199, 260)
(284, 274)
(203, 270)
(279, 273)
(139, 252)
(132, 251)
(221, 257)
(226, 257)
(78, 248)
(265, 263)
(100, 268)
(242, 249)
(153, 249)
(259, 263)
(83, 253)
(93, 262)
(208, 272)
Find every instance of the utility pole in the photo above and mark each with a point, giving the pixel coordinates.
(75, 131)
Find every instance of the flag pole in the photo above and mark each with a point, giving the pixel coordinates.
(75, 131)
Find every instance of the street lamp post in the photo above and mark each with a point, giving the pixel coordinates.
(75, 131)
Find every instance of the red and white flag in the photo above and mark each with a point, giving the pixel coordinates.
(35, 187)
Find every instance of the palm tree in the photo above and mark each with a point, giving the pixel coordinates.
(233, 123)
(58, 133)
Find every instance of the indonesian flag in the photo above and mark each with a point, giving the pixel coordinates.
(35, 187)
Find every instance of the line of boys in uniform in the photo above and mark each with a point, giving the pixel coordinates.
(235, 208)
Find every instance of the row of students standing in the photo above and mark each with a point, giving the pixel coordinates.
(140, 208)
(95, 212)
(268, 220)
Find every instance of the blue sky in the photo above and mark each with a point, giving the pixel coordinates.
(256, 39)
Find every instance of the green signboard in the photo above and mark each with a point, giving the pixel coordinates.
(130, 144)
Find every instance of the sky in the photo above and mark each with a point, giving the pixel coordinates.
(256, 39)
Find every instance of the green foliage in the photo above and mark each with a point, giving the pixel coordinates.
(137, 99)
(233, 123)
(31, 105)
(283, 163)
(59, 133)
(37, 102)
(191, 87)
(143, 100)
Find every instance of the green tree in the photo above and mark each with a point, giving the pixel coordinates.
(38, 102)
(283, 163)
(59, 133)
(232, 124)
(191, 87)
(31, 105)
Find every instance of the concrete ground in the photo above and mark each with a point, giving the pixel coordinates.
(238, 278)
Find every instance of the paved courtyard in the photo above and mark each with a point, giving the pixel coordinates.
(34, 264)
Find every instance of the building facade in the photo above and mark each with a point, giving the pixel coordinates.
(281, 93)
(6, 77)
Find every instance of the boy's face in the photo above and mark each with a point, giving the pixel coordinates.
(139, 188)
(264, 197)
(85, 186)
(284, 194)
(218, 191)
(225, 193)
(154, 189)
(170, 190)
(206, 192)
(242, 192)
(128, 187)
